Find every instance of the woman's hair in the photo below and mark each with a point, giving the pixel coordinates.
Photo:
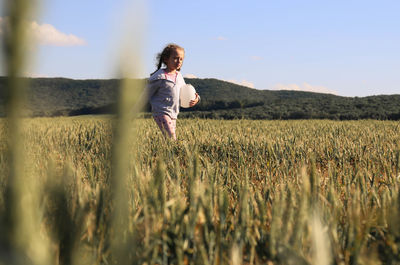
(163, 56)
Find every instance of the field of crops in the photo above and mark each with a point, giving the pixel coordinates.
(227, 192)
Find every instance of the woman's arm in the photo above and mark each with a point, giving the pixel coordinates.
(152, 88)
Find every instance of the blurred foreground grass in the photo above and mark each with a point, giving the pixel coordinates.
(227, 192)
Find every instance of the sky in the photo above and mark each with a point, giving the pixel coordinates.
(344, 47)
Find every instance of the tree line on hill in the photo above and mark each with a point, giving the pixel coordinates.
(219, 100)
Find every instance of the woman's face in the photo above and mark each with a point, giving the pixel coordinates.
(175, 60)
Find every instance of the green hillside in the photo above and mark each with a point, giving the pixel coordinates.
(227, 100)
(220, 99)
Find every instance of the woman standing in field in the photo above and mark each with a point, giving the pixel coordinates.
(164, 87)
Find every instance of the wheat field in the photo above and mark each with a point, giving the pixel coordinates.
(106, 190)
(226, 192)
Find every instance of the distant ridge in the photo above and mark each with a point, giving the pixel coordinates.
(219, 100)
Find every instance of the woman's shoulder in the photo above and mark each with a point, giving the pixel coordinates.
(159, 74)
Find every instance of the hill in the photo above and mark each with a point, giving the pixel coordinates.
(220, 99)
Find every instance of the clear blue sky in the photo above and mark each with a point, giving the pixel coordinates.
(351, 48)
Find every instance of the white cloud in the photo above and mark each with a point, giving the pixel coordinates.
(304, 87)
(35, 75)
(256, 58)
(190, 76)
(242, 83)
(46, 34)
(221, 38)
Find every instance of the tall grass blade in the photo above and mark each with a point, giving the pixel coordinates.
(22, 216)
